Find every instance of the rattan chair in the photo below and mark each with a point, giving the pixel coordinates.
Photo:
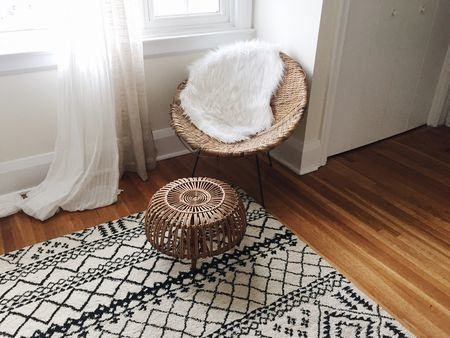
(287, 104)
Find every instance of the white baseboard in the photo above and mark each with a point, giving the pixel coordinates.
(24, 173)
(311, 157)
(301, 158)
(27, 172)
(167, 144)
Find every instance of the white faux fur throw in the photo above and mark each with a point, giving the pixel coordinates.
(228, 92)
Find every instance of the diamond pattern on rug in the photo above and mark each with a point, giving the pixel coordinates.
(108, 281)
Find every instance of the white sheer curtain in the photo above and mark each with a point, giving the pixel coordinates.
(103, 125)
(136, 146)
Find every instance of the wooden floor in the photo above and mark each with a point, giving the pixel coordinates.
(379, 214)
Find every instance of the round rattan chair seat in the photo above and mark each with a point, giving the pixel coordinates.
(194, 218)
(287, 104)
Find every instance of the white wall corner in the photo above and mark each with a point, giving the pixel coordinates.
(311, 157)
(338, 30)
(301, 158)
(24, 173)
(289, 155)
(168, 144)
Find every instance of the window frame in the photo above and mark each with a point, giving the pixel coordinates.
(233, 14)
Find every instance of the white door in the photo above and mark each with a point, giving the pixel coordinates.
(390, 59)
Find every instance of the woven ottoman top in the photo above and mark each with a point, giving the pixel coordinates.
(194, 201)
(194, 218)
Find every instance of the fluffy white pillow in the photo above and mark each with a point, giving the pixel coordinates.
(228, 92)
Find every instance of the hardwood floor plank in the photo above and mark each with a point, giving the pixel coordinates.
(400, 215)
(426, 165)
(400, 184)
(432, 141)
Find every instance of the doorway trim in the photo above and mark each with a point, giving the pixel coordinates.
(341, 24)
(438, 110)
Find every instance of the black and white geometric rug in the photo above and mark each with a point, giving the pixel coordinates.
(107, 281)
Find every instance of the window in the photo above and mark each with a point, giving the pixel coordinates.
(170, 26)
(20, 15)
(24, 25)
(165, 8)
(183, 17)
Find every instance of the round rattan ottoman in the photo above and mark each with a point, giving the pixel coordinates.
(195, 218)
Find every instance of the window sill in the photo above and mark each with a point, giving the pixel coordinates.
(26, 62)
(34, 61)
(194, 42)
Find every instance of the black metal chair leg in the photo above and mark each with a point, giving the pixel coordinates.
(259, 181)
(270, 158)
(219, 170)
(195, 164)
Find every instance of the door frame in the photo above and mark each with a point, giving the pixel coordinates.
(439, 108)
(341, 24)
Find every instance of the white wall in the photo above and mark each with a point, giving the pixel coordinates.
(163, 74)
(293, 25)
(28, 104)
(27, 114)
